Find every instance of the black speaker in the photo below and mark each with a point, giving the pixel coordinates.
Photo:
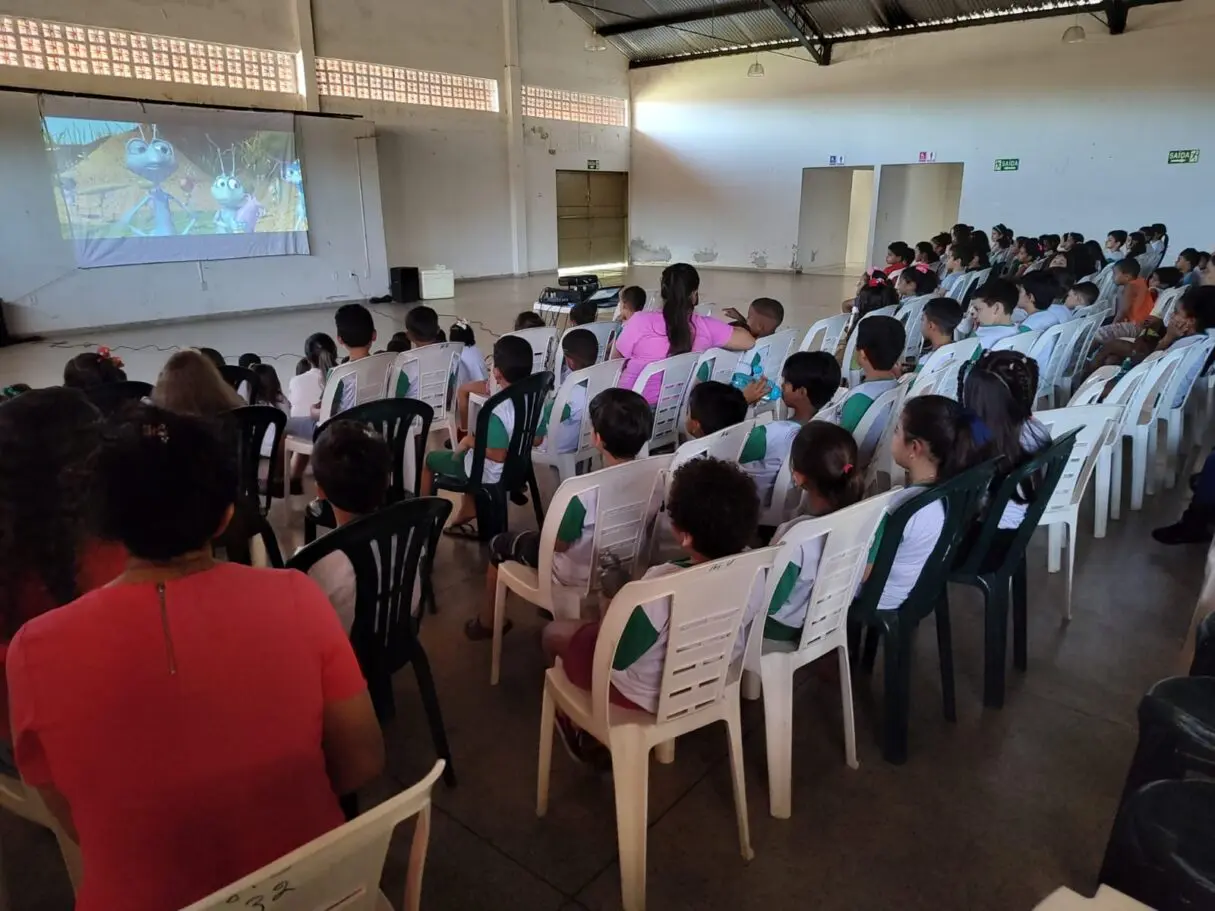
(406, 284)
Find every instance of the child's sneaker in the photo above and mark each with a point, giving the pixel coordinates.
(572, 738)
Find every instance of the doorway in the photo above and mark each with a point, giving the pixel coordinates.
(835, 221)
(914, 202)
(592, 220)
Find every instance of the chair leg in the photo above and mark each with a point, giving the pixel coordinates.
(1020, 611)
(1101, 495)
(309, 527)
(897, 649)
(995, 650)
(665, 752)
(548, 720)
(535, 491)
(738, 777)
(430, 702)
(1070, 531)
(1172, 461)
(417, 861)
(869, 648)
(1139, 469)
(495, 666)
(1116, 481)
(631, 774)
(945, 655)
(1153, 457)
(778, 736)
(847, 711)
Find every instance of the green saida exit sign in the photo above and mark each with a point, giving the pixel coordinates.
(1183, 156)
(1008, 164)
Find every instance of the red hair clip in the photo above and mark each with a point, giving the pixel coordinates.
(848, 468)
(922, 268)
(104, 353)
(877, 279)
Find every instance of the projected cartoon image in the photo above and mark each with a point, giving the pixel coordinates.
(120, 179)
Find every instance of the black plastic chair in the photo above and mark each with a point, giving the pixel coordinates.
(527, 396)
(109, 397)
(1161, 851)
(995, 562)
(960, 498)
(1203, 663)
(393, 419)
(389, 551)
(250, 426)
(234, 376)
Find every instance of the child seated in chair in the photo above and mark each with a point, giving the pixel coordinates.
(938, 323)
(879, 345)
(990, 318)
(1134, 306)
(422, 329)
(809, 380)
(763, 318)
(622, 423)
(351, 465)
(1081, 296)
(525, 320)
(714, 512)
(472, 363)
(583, 313)
(714, 406)
(512, 362)
(632, 300)
(580, 348)
(825, 466)
(1036, 297)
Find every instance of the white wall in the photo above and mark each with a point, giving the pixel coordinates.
(914, 201)
(44, 292)
(718, 157)
(822, 231)
(860, 217)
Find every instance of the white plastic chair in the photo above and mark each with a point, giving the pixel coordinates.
(340, 869)
(1174, 399)
(596, 379)
(700, 685)
(544, 346)
(940, 376)
(369, 375)
(786, 496)
(825, 334)
(851, 374)
(1062, 515)
(1022, 341)
(876, 421)
(1167, 302)
(21, 800)
(435, 367)
(881, 472)
(677, 375)
(721, 364)
(726, 445)
(969, 280)
(774, 351)
(849, 533)
(605, 333)
(627, 499)
(1077, 355)
(1139, 424)
(910, 314)
(1051, 351)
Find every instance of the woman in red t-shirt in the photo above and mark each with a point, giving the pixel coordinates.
(192, 720)
(48, 556)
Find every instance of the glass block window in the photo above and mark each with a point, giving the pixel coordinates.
(376, 82)
(554, 104)
(36, 44)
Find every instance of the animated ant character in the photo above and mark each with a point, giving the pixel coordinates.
(238, 209)
(293, 175)
(154, 160)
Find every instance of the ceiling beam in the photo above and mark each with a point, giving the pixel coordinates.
(684, 18)
(799, 24)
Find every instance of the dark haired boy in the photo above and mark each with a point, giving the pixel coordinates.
(1115, 242)
(583, 313)
(622, 423)
(1187, 264)
(580, 348)
(990, 318)
(632, 300)
(1134, 303)
(512, 363)
(714, 406)
(879, 345)
(1081, 296)
(809, 380)
(351, 463)
(938, 325)
(421, 329)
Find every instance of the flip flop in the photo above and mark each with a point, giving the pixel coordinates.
(478, 633)
(466, 530)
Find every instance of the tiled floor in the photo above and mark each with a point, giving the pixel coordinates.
(993, 812)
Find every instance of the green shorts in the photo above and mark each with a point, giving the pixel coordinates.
(446, 462)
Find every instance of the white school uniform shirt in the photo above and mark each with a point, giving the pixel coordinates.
(645, 641)
(471, 368)
(572, 567)
(766, 450)
(501, 428)
(1034, 438)
(949, 282)
(920, 537)
(989, 335)
(304, 391)
(334, 573)
(791, 596)
(1063, 313)
(1042, 319)
(566, 435)
(1112, 256)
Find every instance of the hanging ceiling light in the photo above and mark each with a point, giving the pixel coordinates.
(1074, 34)
(755, 69)
(595, 43)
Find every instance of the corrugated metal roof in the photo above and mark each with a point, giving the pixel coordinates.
(758, 26)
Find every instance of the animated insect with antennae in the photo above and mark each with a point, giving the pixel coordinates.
(238, 210)
(155, 160)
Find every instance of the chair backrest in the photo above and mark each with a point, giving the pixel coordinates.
(544, 346)
(1166, 303)
(1176, 391)
(431, 371)
(717, 364)
(394, 420)
(342, 868)
(251, 425)
(910, 314)
(594, 379)
(966, 284)
(677, 374)
(1095, 425)
(940, 375)
(825, 334)
(1047, 466)
(628, 498)
(786, 496)
(1022, 341)
(708, 608)
(1051, 350)
(881, 462)
(879, 419)
(1107, 289)
(109, 397)
(368, 374)
(605, 333)
(853, 374)
(1143, 407)
(527, 397)
(726, 445)
(849, 534)
(236, 376)
(773, 351)
(960, 497)
(386, 549)
(1075, 350)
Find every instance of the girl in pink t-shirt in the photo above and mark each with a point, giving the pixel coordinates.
(649, 337)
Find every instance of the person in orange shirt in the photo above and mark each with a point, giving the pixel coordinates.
(1135, 303)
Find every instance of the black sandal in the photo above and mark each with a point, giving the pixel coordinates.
(466, 530)
(478, 633)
